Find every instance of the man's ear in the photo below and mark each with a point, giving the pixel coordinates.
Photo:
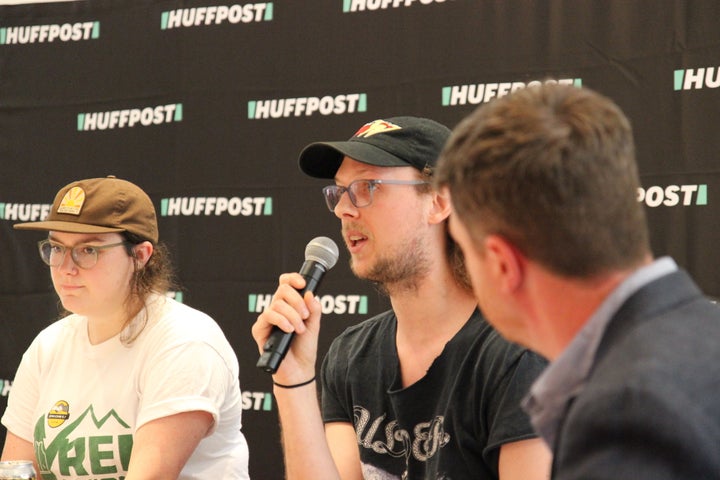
(506, 261)
(441, 206)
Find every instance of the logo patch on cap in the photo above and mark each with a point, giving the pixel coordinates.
(375, 127)
(72, 202)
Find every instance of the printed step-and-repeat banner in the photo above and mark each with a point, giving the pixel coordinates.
(206, 105)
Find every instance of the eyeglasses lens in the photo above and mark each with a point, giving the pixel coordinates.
(359, 191)
(54, 255)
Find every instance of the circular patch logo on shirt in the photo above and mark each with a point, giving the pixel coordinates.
(58, 414)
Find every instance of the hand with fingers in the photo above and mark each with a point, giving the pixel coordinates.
(291, 312)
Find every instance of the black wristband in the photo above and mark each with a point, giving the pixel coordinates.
(296, 385)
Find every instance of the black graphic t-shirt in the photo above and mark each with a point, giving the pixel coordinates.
(450, 424)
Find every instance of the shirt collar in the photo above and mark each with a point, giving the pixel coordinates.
(565, 378)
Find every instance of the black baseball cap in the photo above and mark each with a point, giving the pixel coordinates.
(392, 142)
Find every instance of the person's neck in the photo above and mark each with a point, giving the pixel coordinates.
(433, 311)
(432, 307)
(101, 329)
(106, 325)
(428, 317)
(565, 306)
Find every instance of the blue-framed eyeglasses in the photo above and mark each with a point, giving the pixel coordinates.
(361, 191)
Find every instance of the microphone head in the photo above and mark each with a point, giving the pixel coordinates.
(322, 250)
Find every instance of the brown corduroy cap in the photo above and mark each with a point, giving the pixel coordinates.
(100, 205)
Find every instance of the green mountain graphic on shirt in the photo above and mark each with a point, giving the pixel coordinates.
(86, 456)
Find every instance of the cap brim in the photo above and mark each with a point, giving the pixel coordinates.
(322, 159)
(66, 227)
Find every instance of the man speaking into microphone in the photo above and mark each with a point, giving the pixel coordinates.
(427, 390)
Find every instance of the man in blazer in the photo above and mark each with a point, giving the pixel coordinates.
(544, 188)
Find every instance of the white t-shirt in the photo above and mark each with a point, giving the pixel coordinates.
(80, 404)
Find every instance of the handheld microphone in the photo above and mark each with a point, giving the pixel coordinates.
(321, 254)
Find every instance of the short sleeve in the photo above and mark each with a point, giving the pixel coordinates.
(508, 421)
(18, 416)
(188, 377)
(333, 400)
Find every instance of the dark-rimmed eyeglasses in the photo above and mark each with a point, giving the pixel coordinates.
(360, 191)
(84, 256)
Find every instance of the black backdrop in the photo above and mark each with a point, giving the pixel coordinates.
(206, 106)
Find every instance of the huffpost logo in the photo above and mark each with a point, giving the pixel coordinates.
(66, 32)
(307, 106)
(350, 6)
(257, 400)
(129, 118)
(175, 295)
(338, 304)
(673, 195)
(24, 212)
(5, 387)
(474, 94)
(217, 15)
(206, 206)
(697, 78)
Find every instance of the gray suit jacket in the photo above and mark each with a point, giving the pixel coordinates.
(651, 407)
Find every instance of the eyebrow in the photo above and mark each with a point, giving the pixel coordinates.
(82, 242)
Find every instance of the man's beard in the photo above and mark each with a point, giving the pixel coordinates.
(400, 270)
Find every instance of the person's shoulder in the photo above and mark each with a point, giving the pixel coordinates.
(667, 350)
(58, 334)
(161, 306)
(357, 344)
(368, 335)
(171, 319)
(175, 326)
(494, 349)
(483, 334)
(478, 326)
(371, 327)
(663, 365)
(63, 327)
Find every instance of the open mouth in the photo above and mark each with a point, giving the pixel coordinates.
(355, 240)
(354, 236)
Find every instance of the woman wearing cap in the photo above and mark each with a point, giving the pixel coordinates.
(131, 384)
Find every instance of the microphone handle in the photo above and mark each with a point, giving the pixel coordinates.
(313, 273)
(278, 343)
